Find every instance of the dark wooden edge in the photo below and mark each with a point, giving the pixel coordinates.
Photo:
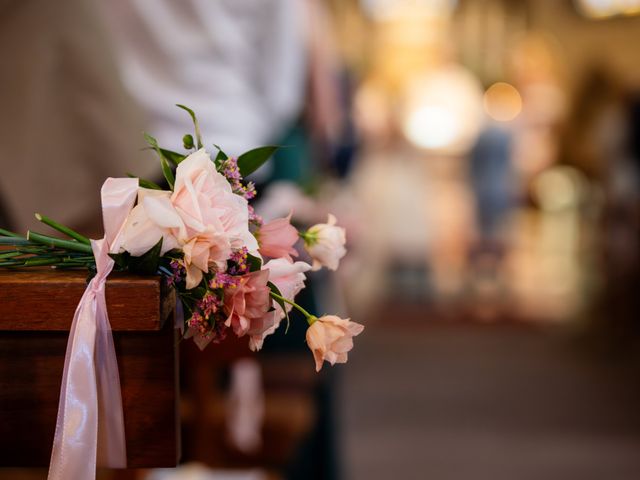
(45, 300)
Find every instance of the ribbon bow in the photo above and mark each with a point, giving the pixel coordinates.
(90, 424)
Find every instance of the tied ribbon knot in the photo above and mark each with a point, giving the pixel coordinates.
(90, 423)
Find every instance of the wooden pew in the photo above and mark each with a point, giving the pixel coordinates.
(36, 310)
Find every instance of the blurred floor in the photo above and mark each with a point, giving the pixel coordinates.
(455, 401)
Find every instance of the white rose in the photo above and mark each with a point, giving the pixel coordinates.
(153, 218)
(325, 243)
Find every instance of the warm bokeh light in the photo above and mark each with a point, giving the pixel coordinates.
(393, 9)
(443, 112)
(432, 127)
(502, 102)
(608, 8)
(558, 188)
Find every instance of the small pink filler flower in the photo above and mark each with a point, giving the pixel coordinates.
(330, 338)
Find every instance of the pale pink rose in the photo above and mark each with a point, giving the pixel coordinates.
(325, 243)
(199, 253)
(260, 328)
(151, 219)
(330, 338)
(289, 278)
(247, 303)
(216, 220)
(277, 238)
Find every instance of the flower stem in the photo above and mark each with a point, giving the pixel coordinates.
(7, 233)
(14, 241)
(56, 242)
(310, 318)
(63, 229)
(309, 238)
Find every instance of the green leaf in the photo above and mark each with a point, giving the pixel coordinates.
(187, 141)
(147, 263)
(121, 259)
(167, 172)
(250, 161)
(164, 163)
(198, 291)
(151, 141)
(220, 157)
(173, 157)
(282, 304)
(145, 183)
(255, 263)
(195, 123)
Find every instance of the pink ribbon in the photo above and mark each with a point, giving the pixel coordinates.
(90, 424)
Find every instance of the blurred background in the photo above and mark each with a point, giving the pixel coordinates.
(484, 157)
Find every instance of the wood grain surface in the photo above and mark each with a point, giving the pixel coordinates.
(31, 366)
(36, 310)
(45, 300)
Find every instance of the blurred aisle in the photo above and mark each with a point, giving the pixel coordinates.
(457, 401)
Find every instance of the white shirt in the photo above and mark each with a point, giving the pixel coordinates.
(239, 64)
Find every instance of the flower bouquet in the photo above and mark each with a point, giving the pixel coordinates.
(207, 241)
(230, 269)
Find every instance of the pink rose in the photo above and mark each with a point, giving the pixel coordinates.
(247, 303)
(260, 328)
(216, 220)
(325, 243)
(277, 239)
(289, 278)
(202, 216)
(330, 338)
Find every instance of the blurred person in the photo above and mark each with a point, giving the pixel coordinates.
(600, 140)
(66, 122)
(597, 129)
(240, 64)
(492, 183)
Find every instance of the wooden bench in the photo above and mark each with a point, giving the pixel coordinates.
(36, 310)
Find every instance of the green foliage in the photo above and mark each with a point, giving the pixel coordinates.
(121, 260)
(145, 183)
(195, 123)
(250, 161)
(164, 162)
(187, 142)
(167, 172)
(280, 302)
(255, 263)
(220, 157)
(174, 157)
(147, 263)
